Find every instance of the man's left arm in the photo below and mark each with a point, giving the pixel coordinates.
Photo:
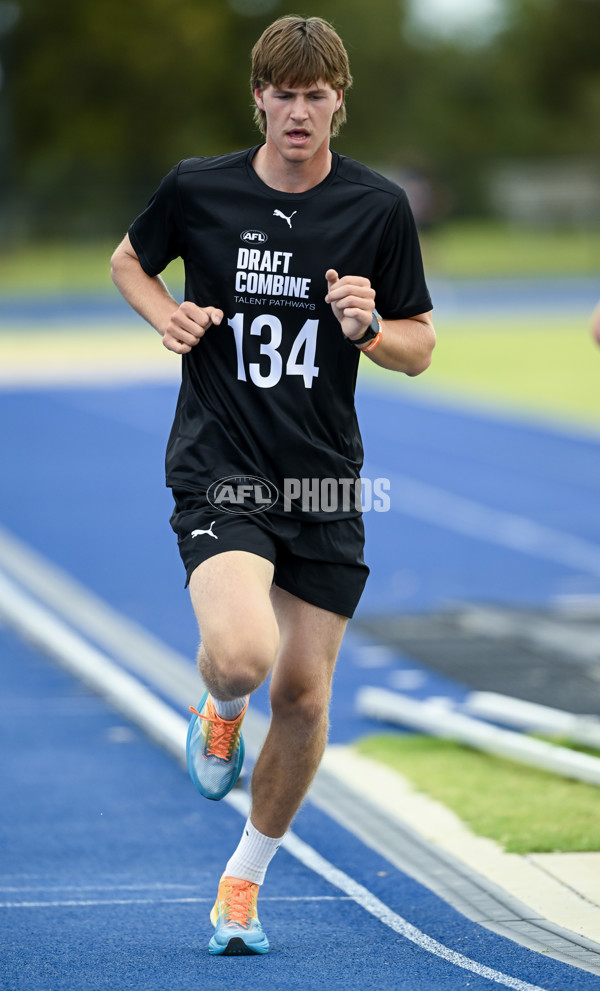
(404, 346)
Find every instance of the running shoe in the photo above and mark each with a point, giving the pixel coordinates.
(235, 918)
(214, 750)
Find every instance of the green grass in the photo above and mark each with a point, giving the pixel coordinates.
(523, 809)
(545, 365)
(542, 363)
(69, 266)
(457, 249)
(492, 249)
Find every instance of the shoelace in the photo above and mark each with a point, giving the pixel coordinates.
(222, 735)
(239, 902)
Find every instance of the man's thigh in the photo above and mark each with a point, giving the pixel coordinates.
(309, 642)
(319, 574)
(230, 593)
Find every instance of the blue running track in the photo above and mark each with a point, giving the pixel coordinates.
(108, 858)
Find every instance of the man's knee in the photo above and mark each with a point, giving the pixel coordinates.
(304, 704)
(240, 637)
(236, 666)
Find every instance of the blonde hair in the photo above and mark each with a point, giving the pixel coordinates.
(299, 51)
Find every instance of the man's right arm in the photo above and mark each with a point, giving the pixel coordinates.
(596, 324)
(180, 325)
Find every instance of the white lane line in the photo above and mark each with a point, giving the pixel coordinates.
(40, 627)
(96, 888)
(310, 858)
(125, 693)
(495, 526)
(124, 639)
(370, 903)
(95, 902)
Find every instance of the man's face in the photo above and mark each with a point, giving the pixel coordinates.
(299, 118)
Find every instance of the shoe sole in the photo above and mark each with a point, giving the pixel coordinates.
(236, 947)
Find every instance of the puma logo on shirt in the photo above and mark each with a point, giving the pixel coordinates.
(278, 213)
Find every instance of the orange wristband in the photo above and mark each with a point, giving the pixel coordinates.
(372, 344)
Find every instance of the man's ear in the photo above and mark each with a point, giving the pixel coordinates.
(258, 98)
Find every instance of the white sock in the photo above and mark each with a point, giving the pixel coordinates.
(229, 710)
(253, 855)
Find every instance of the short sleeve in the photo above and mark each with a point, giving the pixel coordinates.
(401, 289)
(158, 234)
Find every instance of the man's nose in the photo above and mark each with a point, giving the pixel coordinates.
(300, 108)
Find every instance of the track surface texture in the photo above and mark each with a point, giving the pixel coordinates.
(108, 858)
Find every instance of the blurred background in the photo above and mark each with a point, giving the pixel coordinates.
(488, 113)
(486, 110)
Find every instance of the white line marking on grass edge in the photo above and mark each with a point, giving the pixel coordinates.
(37, 625)
(438, 719)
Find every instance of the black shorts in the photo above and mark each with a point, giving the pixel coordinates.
(321, 563)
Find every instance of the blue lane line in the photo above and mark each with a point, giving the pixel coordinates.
(104, 839)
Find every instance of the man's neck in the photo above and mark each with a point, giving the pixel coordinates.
(288, 176)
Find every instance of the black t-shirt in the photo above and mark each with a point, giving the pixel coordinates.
(270, 392)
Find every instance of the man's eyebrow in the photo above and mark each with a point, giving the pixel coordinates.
(291, 89)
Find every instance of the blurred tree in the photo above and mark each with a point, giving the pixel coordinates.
(110, 94)
(106, 96)
(555, 46)
(533, 92)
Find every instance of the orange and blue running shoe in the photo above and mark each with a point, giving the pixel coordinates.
(214, 749)
(235, 918)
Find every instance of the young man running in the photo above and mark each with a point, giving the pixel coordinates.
(288, 247)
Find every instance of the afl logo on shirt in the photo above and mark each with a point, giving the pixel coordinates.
(254, 237)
